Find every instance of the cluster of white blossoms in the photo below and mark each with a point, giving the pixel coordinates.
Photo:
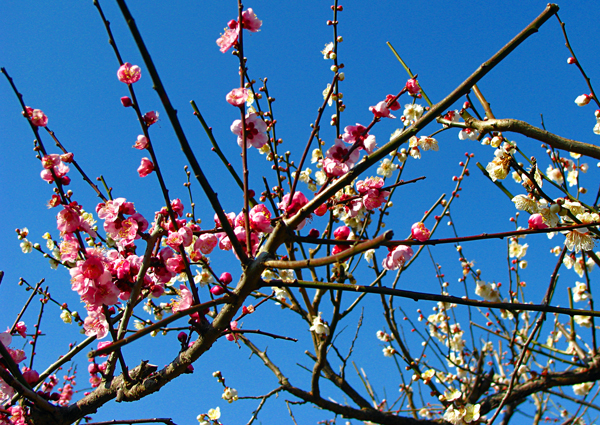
(464, 414)
(229, 394)
(498, 168)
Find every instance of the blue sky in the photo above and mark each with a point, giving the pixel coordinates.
(58, 55)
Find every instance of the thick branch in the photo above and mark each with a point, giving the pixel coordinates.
(521, 127)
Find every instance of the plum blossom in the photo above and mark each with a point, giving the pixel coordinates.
(141, 142)
(425, 143)
(184, 301)
(381, 110)
(319, 326)
(583, 388)
(370, 190)
(38, 118)
(412, 112)
(228, 39)
(206, 243)
(412, 86)
(468, 133)
(150, 118)
(229, 394)
(397, 257)
(128, 73)
(356, 134)
(256, 131)
(68, 220)
(260, 219)
(420, 232)
(237, 97)
(249, 22)
(146, 167)
(386, 168)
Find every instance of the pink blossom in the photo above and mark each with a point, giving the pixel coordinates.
(228, 39)
(60, 170)
(412, 86)
(68, 220)
(419, 232)
(175, 264)
(184, 301)
(230, 218)
(249, 21)
(370, 190)
(206, 243)
(145, 168)
(334, 167)
(21, 329)
(38, 118)
(177, 207)
(109, 211)
(397, 257)
(240, 233)
(150, 118)
(536, 221)
(355, 134)
(255, 131)
(237, 97)
(95, 324)
(92, 268)
(395, 105)
(129, 74)
(50, 161)
(298, 201)
(65, 395)
(260, 219)
(141, 142)
(5, 338)
(381, 110)
(334, 164)
(69, 247)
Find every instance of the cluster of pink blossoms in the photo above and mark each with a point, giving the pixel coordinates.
(339, 159)
(55, 167)
(371, 193)
(260, 223)
(37, 117)
(249, 22)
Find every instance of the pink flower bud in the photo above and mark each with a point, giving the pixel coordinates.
(232, 24)
(182, 337)
(128, 73)
(93, 368)
(226, 278)
(126, 101)
(342, 233)
(571, 60)
(67, 157)
(314, 233)
(31, 376)
(536, 221)
(38, 118)
(217, 290)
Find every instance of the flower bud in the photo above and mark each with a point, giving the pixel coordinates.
(226, 278)
(217, 290)
(126, 101)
